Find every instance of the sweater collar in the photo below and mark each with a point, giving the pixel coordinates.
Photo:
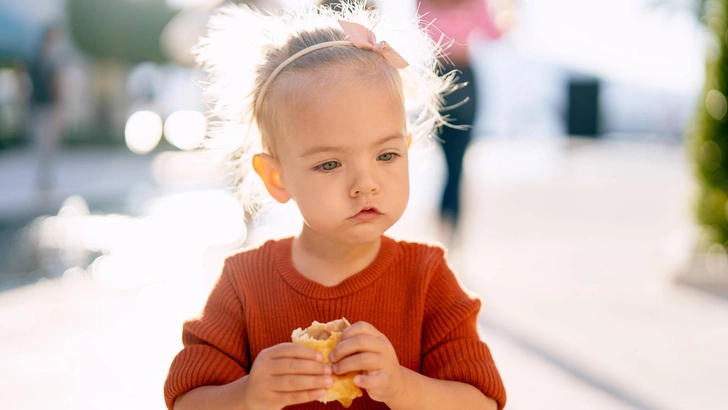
(356, 282)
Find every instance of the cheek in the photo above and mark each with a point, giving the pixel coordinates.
(405, 182)
(314, 193)
(399, 179)
(403, 191)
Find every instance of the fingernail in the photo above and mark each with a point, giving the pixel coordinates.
(327, 370)
(329, 381)
(335, 368)
(331, 357)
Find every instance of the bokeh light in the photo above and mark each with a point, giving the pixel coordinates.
(185, 129)
(143, 131)
(208, 217)
(716, 104)
(169, 243)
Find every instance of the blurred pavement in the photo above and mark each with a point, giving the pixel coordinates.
(102, 175)
(572, 246)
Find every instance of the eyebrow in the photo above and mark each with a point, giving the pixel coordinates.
(321, 148)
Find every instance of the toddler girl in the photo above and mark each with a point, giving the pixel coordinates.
(328, 112)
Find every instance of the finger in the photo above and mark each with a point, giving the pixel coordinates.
(287, 365)
(359, 344)
(295, 383)
(371, 380)
(293, 350)
(299, 397)
(359, 362)
(360, 328)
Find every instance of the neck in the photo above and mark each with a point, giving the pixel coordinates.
(328, 261)
(331, 250)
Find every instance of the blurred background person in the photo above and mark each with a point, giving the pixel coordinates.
(457, 23)
(46, 121)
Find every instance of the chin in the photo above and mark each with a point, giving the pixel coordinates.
(365, 234)
(357, 234)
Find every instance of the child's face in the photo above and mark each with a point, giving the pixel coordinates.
(343, 159)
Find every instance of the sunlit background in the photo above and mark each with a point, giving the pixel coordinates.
(579, 227)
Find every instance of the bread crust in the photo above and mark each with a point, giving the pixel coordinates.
(323, 338)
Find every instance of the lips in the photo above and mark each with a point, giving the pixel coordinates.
(371, 209)
(367, 213)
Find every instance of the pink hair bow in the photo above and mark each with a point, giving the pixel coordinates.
(365, 39)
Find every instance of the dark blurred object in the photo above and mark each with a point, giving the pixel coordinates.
(14, 90)
(44, 66)
(122, 30)
(583, 108)
(47, 121)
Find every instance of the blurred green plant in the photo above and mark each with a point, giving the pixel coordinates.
(709, 142)
(121, 30)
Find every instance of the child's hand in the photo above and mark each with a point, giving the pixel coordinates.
(363, 348)
(286, 374)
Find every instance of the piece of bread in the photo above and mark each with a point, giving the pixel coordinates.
(323, 337)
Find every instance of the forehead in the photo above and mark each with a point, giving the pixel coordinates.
(344, 111)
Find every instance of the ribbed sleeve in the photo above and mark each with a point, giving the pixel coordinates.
(451, 346)
(215, 349)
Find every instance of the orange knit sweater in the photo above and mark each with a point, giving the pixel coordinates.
(408, 293)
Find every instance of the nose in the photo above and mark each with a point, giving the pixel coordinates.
(364, 184)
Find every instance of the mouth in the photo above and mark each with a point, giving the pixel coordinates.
(370, 209)
(367, 213)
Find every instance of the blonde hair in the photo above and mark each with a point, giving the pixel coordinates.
(243, 47)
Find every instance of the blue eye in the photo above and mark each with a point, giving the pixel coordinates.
(389, 156)
(328, 166)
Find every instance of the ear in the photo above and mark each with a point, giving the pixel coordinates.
(268, 169)
(409, 140)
